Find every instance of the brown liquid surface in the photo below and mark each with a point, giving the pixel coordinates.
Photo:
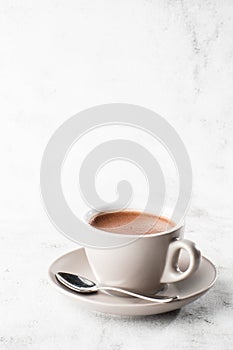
(131, 222)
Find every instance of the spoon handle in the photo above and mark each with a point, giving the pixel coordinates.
(157, 298)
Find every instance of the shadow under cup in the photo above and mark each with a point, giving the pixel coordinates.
(146, 264)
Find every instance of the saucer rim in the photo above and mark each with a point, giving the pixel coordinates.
(143, 303)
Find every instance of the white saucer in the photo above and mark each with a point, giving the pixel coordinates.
(188, 290)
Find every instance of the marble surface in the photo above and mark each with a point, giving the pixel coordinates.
(57, 58)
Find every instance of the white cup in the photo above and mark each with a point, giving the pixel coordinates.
(147, 263)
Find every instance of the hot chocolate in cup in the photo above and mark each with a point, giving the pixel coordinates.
(149, 260)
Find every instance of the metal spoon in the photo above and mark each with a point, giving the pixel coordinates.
(83, 285)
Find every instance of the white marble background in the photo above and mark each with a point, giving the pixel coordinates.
(59, 57)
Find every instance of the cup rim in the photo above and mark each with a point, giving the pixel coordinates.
(93, 212)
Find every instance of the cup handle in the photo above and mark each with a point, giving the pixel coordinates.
(171, 272)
